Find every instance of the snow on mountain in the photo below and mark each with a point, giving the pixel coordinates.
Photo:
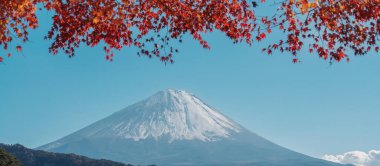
(175, 113)
(173, 127)
(172, 112)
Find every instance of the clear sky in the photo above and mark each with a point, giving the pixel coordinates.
(312, 107)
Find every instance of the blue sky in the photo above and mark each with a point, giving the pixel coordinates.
(312, 107)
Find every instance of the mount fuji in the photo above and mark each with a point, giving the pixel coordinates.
(173, 127)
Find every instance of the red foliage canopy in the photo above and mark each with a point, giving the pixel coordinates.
(329, 27)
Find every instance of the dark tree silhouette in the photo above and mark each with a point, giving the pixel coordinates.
(8, 160)
(29, 157)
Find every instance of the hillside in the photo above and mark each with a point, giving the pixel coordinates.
(29, 157)
(7, 159)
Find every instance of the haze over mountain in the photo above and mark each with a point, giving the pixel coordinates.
(174, 127)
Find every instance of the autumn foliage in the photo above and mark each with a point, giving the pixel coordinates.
(331, 29)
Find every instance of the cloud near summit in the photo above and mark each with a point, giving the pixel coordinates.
(357, 158)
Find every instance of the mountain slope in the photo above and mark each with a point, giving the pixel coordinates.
(176, 128)
(8, 160)
(29, 157)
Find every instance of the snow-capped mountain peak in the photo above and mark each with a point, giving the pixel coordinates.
(172, 114)
(175, 128)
